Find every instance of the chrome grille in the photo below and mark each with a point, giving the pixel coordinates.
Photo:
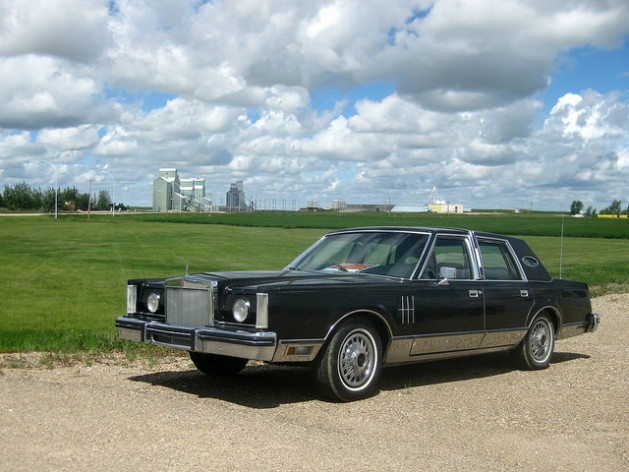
(191, 307)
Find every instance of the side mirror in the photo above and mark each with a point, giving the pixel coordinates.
(446, 273)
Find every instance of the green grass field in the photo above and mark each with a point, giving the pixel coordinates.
(63, 282)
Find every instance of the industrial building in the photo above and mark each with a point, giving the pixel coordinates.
(437, 204)
(170, 193)
(342, 206)
(235, 199)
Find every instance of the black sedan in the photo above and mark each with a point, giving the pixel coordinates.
(363, 298)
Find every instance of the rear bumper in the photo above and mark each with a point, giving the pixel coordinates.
(588, 325)
(259, 345)
(593, 320)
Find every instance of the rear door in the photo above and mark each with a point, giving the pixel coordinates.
(508, 296)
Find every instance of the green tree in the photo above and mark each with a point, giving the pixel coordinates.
(103, 202)
(18, 197)
(48, 199)
(576, 207)
(590, 212)
(83, 201)
(614, 209)
(68, 198)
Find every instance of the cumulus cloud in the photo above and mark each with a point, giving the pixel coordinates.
(241, 85)
(72, 29)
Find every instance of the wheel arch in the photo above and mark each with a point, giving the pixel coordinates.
(378, 321)
(552, 311)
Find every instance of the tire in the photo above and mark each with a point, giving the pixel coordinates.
(214, 364)
(536, 349)
(349, 366)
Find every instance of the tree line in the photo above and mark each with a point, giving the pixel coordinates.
(615, 208)
(22, 197)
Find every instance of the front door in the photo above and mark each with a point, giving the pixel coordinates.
(449, 301)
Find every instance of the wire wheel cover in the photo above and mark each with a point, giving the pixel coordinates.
(541, 341)
(357, 358)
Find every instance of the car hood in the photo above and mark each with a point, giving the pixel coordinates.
(282, 280)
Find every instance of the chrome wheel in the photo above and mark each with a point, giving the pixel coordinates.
(535, 351)
(357, 359)
(541, 340)
(349, 366)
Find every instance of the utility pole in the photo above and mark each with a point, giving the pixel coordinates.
(113, 203)
(89, 200)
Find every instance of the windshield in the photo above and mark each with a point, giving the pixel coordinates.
(387, 253)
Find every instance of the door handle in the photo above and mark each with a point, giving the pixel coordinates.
(524, 293)
(475, 293)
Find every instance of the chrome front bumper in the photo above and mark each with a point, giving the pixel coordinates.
(258, 345)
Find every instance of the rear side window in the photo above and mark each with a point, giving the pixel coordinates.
(498, 262)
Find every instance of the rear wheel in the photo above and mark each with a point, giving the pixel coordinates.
(536, 349)
(350, 364)
(214, 364)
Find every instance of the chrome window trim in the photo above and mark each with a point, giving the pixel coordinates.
(511, 251)
(471, 253)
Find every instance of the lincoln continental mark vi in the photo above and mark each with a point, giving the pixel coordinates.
(363, 298)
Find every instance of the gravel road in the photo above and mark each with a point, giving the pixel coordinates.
(475, 414)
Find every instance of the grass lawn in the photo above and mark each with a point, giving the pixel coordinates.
(63, 282)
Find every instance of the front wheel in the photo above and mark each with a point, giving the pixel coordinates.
(215, 364)
(536, 349)
(350, 364)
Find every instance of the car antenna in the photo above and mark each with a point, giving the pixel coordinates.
(561, 245)
(187, 268)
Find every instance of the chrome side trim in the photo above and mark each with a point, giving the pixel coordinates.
(452, 354)
(416, 348)
(589, 325)
(569, 330)
(399, 351)
(509, 338)
(400, 348)
(446, 342)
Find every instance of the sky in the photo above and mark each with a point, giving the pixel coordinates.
(501, 104)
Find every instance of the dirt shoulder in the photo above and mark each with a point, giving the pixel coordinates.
(468, 415)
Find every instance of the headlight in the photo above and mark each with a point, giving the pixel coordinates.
(240, 310)
(153, 302)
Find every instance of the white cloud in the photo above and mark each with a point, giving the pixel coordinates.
(72, 29)
(242, 82)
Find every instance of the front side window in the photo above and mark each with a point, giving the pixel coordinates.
(498, 262)
(386, 253)
(449, 259)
